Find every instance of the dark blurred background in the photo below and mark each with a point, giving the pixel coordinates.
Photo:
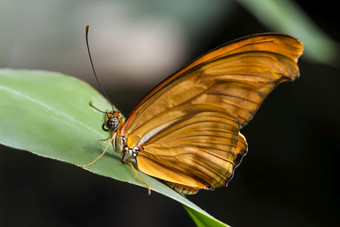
(290, 176)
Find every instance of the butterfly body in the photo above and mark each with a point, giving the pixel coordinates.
(186, 131)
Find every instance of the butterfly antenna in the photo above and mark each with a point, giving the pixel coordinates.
(91, 104)
(94, 71)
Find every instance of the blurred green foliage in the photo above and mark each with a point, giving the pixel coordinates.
(287, 17)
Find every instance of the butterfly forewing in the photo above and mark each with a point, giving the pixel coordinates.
(188, 126)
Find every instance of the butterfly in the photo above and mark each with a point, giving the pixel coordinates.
(186, 131)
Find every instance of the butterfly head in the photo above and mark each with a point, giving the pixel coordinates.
(112, 119)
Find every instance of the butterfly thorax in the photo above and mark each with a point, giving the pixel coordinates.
(122, 148)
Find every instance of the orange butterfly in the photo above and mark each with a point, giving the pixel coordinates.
(186, 131)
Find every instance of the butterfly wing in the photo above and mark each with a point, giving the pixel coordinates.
(188, 126)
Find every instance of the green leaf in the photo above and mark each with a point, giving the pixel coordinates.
(202, 220)
(48, 114)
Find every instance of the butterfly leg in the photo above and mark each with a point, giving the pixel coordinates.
(140, 180)
(113, 141)
(107, 145)
(105, 139)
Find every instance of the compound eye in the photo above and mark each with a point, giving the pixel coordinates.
(112, 123)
